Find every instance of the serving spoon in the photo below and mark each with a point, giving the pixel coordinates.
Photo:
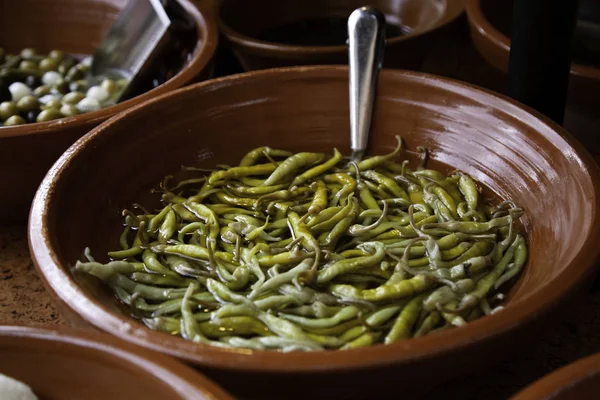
(143, 31)
(366, 41)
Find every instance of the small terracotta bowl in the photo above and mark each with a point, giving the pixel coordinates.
(67, 364)
(77, 27)
(242, 23)
(519, 154)
(579, 380)
(490, 23)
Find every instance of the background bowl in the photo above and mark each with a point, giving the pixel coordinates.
(74, 26)
(65, 364)
(579, 380)
(490, 23)
(243, 21)
(519, 155)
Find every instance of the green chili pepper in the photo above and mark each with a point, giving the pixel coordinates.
(397, 290)
(352, 264)
(373, 162)
(251, 157)
(291, 165)
(388, 183)
(319, 169)
(403, 325)
(237, 172)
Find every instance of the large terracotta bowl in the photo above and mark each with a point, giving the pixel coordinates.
(66, 364)
(242, 22)
(74, 26)
(518, 154)
(579, 380)
(490, 23)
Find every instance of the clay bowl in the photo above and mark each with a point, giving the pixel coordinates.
(28, 151)
(490, 23)
(66, 364)
(243, 23)
(521, 155)
(578, 380)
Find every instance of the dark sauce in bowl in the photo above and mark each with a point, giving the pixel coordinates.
(324, 31)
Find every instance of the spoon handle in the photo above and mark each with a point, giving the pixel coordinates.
(366, 40)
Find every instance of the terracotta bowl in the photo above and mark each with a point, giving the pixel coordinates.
(242, 23)
(521, 155)
(490, 25)
(579, 380)
(490, 22)
(67, 364)
(74, 26)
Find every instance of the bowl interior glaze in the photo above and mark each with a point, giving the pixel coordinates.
(518, 155)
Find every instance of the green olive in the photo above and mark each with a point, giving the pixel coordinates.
(54, 103)
(28, 53)
(109, 85)
(41, 91)
(56, 55)
(14, 120)
(65, 65)
(121, 83)
(61, 87)
(78, 86)
(76, 72)
(73, 97)
(11, 61)
(28, 65)
(68, 110)
(48, 115)
(28, 103)
(8, 109)
(48, 64)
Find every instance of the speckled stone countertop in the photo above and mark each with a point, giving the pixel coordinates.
(24, 300)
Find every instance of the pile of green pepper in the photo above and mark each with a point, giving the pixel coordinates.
(309, 252)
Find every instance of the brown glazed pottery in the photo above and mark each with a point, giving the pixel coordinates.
(579, 380)
(68, 364)
(242, 23)
(74, 26)
(490, 25)
(517, 153)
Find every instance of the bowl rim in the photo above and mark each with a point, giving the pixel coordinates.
(64, 288)
(497, 39)
(555, 382)
(206, 28)
(178, 376)
(458, 8)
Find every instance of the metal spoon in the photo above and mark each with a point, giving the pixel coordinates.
(366, 40)
(142, 32)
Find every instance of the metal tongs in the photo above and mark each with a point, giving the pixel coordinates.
(142, 32)
(366, 40)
